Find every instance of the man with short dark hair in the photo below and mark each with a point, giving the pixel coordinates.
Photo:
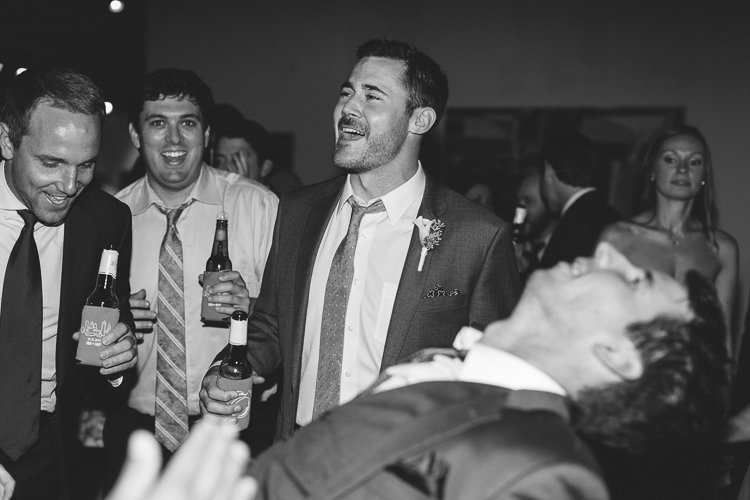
(567, 187)
(52, 233)
(175, 208)
(351, 285)
(639, 355)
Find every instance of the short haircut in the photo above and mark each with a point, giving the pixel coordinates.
(61, 88)
(423, 80)
(681, 399)
(704, 208)
(573, 157)
(252, 132)
(169, 83)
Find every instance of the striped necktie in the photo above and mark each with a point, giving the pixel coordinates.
(328, 382)
(171, 411)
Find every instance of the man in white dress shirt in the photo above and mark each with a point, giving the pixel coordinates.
(351, 287)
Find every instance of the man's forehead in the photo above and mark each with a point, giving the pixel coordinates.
(183, 103)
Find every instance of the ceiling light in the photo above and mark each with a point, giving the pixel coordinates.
(20, 70)
(108, 107)
(116, 6)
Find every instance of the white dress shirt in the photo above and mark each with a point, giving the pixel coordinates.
(251, 209)
(482, 365)
(49, 242)
(378, 261)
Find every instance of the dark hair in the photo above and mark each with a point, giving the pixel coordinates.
(61, 88)
(681, 399)
(169, 82)
(252, 132)
(573, 157)
(704, 207)
(423, 80)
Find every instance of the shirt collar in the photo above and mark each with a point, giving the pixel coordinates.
(204, 191)
(488, 365)
(574, 198)
(396, 202)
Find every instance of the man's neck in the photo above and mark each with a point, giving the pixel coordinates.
(171, 198)
(383, 180)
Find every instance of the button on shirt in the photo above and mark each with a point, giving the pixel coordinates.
(378, 262)
(251, 209)
(49, 242)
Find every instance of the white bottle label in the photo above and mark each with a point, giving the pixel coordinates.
(238, 332)
(108, 264)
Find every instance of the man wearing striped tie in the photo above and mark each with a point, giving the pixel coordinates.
(175, 207)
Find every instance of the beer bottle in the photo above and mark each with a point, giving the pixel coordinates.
(518, 219)
(235, 372)
(217, 262)
(101, 312)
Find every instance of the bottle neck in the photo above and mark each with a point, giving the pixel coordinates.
(220, 240)
(105, 282)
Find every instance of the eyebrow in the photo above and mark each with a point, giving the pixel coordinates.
(164, 117)
(365, 86)
(55, 159)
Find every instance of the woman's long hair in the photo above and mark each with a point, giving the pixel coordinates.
(704, 205)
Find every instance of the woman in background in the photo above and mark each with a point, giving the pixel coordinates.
(677, 229)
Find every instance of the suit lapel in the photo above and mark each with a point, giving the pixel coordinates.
(318, 215)
(78, 254)
(412, 284)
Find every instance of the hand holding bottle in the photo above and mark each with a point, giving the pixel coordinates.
(230, 292)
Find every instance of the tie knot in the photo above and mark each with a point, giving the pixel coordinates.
(359, 210)
(28, 217)
(174, 213)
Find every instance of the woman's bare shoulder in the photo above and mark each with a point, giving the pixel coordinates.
(728, 247)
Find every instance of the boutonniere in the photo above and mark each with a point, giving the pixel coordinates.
(430, 232)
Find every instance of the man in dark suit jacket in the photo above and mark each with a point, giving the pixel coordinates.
(405, 295)
(49, 137)
(494, 422)
(567, 187)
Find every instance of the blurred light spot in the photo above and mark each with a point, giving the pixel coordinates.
(116, 6)
(20, 70)
(1, 66)
(108, 107)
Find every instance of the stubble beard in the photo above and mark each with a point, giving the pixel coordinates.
(381, 150)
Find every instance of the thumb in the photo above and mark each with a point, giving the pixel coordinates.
(139, 295)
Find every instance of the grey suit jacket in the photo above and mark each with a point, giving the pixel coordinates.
(475, 256)
(435, 440)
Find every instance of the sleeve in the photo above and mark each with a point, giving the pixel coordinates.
(561, 481)
(499, 284)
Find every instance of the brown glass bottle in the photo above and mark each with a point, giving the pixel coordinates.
(218, 261)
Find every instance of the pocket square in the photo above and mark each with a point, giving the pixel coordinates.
(438, 291)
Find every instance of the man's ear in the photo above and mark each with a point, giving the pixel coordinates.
(134, 138)
(422, 120)
(266, 168)
(621, 358)
(206, 136)
(6, 147)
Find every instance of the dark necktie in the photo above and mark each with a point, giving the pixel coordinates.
(171, 410)
(21, 344)
(328, 382)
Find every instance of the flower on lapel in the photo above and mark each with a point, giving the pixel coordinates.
(430, 232)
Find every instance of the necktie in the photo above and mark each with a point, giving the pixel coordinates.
(171, 411)
(21, 344)
(328, 382)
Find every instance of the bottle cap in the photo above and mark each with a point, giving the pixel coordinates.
(222, 216)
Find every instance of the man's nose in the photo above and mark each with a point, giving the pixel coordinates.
(173, 134)
(69, 182)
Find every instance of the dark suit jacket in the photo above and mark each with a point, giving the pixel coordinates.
(438, 440)
(578, 230)
(95, 221)
(474, 256)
